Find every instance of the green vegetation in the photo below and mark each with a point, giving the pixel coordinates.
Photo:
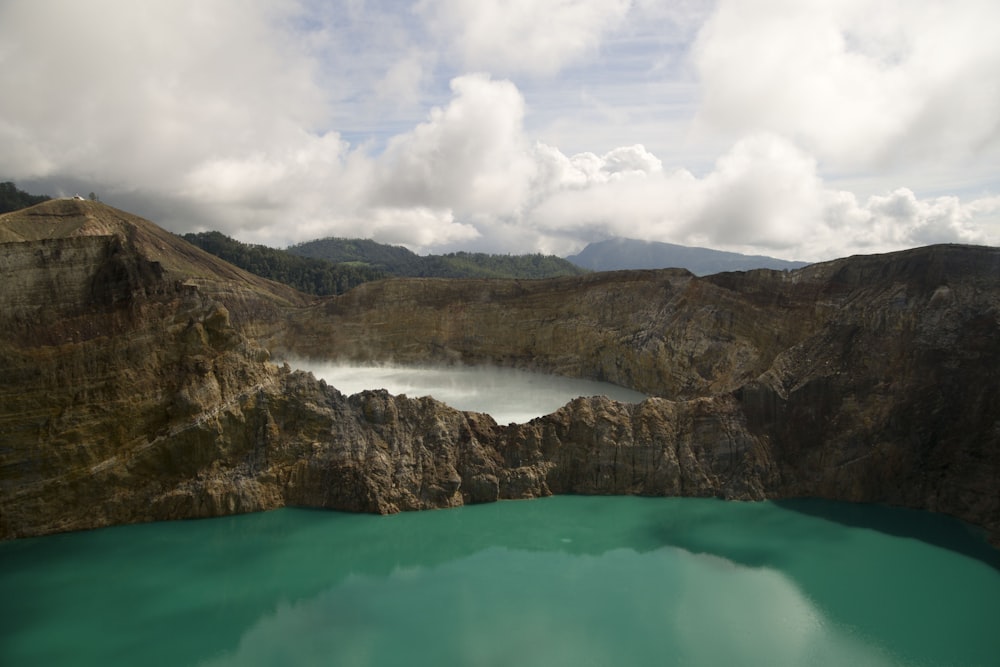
(333, 266)
(394, 260)
(14, 199)
(312, 276)
(400, 262)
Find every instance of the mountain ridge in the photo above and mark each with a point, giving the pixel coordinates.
(623, 253)
(400, 262)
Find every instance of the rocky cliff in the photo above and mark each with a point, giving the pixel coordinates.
(136, 383)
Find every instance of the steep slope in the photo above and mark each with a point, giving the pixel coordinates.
(116, 336)
(868, 378)
(82, 223)
(133, 253)
(623, 254)
(130, 391)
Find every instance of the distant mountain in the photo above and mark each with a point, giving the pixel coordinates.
(616, 254)
(400, 262)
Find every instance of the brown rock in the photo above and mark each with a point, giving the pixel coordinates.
(136, 383)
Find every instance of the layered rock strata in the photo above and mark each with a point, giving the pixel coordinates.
(136, 383)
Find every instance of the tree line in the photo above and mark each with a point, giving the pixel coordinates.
(400, 262)
(312, 276)
(333, 266)
(13, 198)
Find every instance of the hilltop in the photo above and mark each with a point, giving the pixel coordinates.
(169, 256)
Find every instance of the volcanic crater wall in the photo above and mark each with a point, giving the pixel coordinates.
(135, 387)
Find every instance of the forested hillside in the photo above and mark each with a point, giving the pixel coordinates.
(13, 199)
(312, 276)
(400, 262)
(392, 259)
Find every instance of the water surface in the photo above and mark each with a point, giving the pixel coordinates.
(508, 395)
(558, 581)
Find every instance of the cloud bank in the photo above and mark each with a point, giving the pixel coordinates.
(856, 82)
(819, 129)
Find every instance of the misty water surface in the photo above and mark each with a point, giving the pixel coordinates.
(508, 395)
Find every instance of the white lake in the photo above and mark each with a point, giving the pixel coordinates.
(508, 395)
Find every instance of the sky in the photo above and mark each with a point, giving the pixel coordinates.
(801, 129)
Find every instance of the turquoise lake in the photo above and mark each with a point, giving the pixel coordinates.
(555, 581)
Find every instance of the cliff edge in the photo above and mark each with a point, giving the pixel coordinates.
(138, 383)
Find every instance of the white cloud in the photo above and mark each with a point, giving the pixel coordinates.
(135, 92)
(763, 195)
(858, 82)
(469, 156)
(623, 192)
(257, 178)
(403, 82)
(468, 159)
(417, 227)
(764, 192)
(523, 36)
(899, 219)
(285, 121)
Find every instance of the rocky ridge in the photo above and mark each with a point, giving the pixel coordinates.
(137, 383)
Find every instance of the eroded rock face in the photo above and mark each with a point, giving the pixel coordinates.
(136, 383)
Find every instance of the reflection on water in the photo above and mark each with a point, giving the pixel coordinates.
(508, 395)
(541, 608)
(559, 581)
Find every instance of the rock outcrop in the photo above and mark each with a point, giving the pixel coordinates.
(136, 383)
